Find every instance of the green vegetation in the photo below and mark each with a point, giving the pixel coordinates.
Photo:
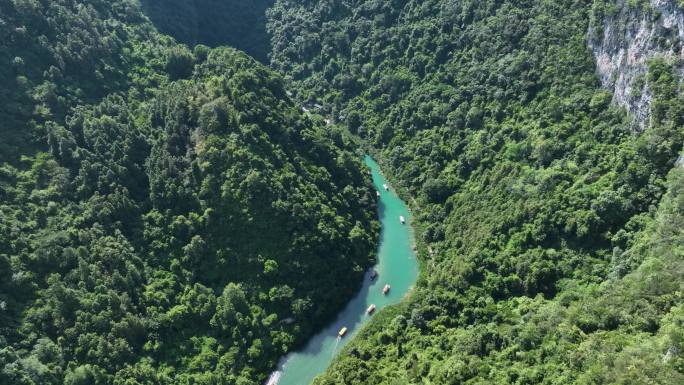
(238, 23)
(167, 216)
(537, 196)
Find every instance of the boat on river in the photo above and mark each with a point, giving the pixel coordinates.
(342, 332)
(396, 263)
(377, 193)
(402, 219)
(386, 289)
(370, 309)
(386, 187)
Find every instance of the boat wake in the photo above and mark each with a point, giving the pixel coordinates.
(274, 378)
(337, 342)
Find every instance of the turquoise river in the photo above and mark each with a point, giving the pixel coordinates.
(397, 266)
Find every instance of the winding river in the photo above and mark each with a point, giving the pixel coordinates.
(397, 266)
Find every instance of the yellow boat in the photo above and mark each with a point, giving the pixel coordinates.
(342, 332)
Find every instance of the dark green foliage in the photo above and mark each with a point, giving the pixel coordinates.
(237, 23)
(531, 189)
(167, 216)
(179, 64)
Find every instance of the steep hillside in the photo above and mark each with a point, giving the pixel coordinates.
(532, 189)
(235, 23)
(167, 216)
(625, 37)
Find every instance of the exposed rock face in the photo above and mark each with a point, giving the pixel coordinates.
(626, 38)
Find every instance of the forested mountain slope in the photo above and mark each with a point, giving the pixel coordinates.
(167, 216)
(536, 195)
(237, 23)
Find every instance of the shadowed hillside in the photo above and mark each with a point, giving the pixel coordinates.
(239, 24)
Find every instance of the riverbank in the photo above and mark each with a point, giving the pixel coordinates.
(397, 265)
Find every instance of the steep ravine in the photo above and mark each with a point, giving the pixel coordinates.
(625, 37)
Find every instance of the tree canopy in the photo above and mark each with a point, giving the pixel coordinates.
(168, 216)
(535, 196)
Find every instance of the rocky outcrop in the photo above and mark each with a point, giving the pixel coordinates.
(625, 37)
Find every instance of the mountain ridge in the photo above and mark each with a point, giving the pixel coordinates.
(168, 215)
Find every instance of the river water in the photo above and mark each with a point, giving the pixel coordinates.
(397, 266)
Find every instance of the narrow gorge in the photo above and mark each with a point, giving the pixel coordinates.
(184, 198)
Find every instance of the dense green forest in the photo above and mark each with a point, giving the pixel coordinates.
(237, 23)
(167, 216)
(545, 259)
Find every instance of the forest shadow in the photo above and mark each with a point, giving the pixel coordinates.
(236, 23)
